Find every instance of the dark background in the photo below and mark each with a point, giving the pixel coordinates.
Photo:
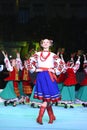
(63, 21)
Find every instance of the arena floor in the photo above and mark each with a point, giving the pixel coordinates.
(23, 117)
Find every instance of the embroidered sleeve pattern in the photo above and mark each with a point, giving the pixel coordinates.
(77, 65)
(32, 63)
(58, 65)
(7, 64)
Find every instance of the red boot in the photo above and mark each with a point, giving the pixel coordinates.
(51, 114)
(41, 113)
(27, 99)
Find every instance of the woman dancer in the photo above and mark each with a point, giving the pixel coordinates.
(68, 91)
(11, 92)
(46, 64)
(82, 92)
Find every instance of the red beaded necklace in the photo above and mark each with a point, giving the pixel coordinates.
(42, 57)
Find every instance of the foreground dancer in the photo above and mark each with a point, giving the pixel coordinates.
(46, 64)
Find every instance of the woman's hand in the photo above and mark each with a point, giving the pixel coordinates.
(51, 70)
(5, 55)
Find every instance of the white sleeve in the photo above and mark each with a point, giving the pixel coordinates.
(60, 66)
(7, 64)
(19, 63)
(1, 67)
(77, 65)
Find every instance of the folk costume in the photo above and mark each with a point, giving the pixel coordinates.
(46, 80)
(35, 103)
(68, 91)
(82, 92)
(61, 78)
(26, 82)
(13, 73)
(11, 91)
(46, 64)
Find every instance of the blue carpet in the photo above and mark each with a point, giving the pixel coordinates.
(23, 117)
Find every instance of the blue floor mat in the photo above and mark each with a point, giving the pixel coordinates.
(23, 117)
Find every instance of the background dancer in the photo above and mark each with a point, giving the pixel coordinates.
(68, 91)
(82, 92)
